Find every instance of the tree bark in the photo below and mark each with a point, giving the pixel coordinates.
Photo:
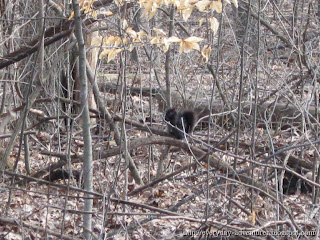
(87, 156)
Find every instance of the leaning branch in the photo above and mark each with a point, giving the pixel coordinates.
(52, 35)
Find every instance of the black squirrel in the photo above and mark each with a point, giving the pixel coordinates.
(188, 118)
(61, 174)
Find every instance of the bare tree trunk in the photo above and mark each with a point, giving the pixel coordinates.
(31, 95)
(92, 58)
(87, 158)
(168, 60)
(168, 89)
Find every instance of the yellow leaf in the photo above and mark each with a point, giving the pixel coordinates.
(150, 8)
(182, 4)
(252, 217)
(155, 40)
(94, 14)
(86, 6)
(168, 2)
(104, 53)
(187, 12)
(188, 47)
(71, 15)
(136, 36)
(173, 39)
(194, 39)
(109, 40)
(205, 53)
(165, 48)
(189, 44)
(152, 13)
(201, 21)
(112, 54)
(125, 40)
(112, 143)
(142, 33)
(214, 25)
(235, 3)
(217, 6)
(131, 47)
(108, 13)
(159, 32)
(147, 6)
(112, 41)
(168, 41)
(142, 2)
(119, 3)
(131, 32)
(81, 2)
(85, 9)
(166, 44)
(201, 5)
(139, 36)
(124, 24)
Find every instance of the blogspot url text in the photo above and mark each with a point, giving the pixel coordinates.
(249, 233)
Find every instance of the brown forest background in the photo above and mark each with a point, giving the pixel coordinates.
(248, 69)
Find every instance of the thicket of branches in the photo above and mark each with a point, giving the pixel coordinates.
(248, 69)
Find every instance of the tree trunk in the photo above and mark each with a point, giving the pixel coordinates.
(87, 157)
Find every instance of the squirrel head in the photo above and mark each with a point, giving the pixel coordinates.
(170, 114)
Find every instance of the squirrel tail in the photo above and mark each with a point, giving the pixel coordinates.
(190, 120)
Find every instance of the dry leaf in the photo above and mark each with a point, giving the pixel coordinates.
(252, 217)
(214, 25)
(124, 24)
(113, 41)
(187, 12)
(205, 53)
(168, 41)
(202, 5)
(159, 32)
(119, 3)
(235, 3)
(189, 44)
(201, 21)
(150, 8)
(113, 53)
(217, 6)
(131, 47)
(71, 15)
(185, 9)
(108, 13)
(156, 40)
(132, 32)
